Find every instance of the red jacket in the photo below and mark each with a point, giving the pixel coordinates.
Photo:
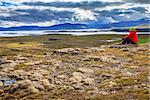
(133, 36)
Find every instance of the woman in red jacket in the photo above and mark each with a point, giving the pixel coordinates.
(132, 38)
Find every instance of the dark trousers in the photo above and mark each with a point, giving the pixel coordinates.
(128, 41)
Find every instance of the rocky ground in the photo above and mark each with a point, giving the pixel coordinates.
(89, 73)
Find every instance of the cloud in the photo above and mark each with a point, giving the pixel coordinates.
(49, 12)
(16, 23)
(35, 15)
(83, 5)
(139, 1)
(122, 6)
(62, 0)
(84, 15)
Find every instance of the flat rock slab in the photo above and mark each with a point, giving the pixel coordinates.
(122, 46)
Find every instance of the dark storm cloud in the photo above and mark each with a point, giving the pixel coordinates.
(139, 9)
(34, 15)
(114, 12)
(139, 1)
(83, 5)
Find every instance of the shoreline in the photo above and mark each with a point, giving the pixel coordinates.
(40, 33)
(67, 40)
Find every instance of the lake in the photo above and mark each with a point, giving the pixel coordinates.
(34, 33)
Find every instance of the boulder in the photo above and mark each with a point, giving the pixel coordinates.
(38, 86)
(61, 76)
(88, 81)
(78, 76)
(111, 83)
(24, 85)
(134, 67)
(1, 83)
(32, 89)
(47, 84)
(70, 51)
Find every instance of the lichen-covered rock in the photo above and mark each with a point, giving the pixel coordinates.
(71, 73)
(71, 51)
(37, 85)
(86, 70)
(1, 83)
(78, 76)
(134, 67)
(61, 76)
(88, 81)
(47, 84)
(109, 59)
(21, 86)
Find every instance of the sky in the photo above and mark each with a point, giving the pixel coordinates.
(52, 12)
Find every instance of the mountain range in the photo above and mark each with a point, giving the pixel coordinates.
(77, 26)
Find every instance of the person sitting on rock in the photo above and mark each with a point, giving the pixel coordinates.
(131, 38)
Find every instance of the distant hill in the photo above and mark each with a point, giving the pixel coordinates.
(144, 21)
(143, 26)
(69, 26)
(66, 26)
